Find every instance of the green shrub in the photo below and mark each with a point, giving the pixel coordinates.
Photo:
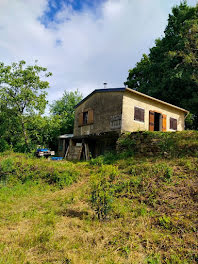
(102, 190)
(64, 178)
(97, 161)
(4, 145)
(107, 158)
(6, 170)
(22, 168)
(7, 165)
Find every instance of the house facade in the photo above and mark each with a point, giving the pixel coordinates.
(104, 114)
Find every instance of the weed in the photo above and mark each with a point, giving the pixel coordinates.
(153, 259)
(168, 173)
(140, 211)
(97, 161)
(102, 191)
(165, 221)
(126, 250)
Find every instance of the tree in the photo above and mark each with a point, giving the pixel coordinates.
(65, 109)
(22, 93)
(170, 71)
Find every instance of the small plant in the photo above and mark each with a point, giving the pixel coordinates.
(168, 173)
(102, 191)
(165, 222)
(97, 161)
(126, 250)
(153, 259)
(140, 211)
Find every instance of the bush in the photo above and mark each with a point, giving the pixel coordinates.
(19, 168)
(6, 169)
(102, 190)
(4, 145)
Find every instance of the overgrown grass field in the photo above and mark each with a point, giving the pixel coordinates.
(114, 209)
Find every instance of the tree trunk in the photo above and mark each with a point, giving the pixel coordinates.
(25, 133)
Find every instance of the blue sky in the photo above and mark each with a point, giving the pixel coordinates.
(54, 6)
(82, 42)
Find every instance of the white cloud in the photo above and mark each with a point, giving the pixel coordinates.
(86, 48)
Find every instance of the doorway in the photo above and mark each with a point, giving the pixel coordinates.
(157, 121)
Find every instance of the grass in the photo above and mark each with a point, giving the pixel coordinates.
(48, 217)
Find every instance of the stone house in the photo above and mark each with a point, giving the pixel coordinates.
(102, 116)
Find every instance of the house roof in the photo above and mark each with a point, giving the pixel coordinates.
(132, 91)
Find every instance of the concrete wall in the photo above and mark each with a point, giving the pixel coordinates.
(130, 100)
(107, 108)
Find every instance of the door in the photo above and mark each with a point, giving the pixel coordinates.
(151, 120)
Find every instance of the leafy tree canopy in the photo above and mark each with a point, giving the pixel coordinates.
(22, 94)
(170, 71)
(64, 108)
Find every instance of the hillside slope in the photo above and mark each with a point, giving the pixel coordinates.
(147, 207)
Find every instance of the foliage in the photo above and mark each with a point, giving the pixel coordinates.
(22, 94)
(169, 144)
(150, 204)
(170, 71)
(165, 221)
(64, 109)
(18, 169)
(102, 190)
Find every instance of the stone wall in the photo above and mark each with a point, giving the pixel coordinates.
(169, 144)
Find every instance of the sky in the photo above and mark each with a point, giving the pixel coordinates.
(84, 43)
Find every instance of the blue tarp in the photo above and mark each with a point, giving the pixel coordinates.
(56, 158)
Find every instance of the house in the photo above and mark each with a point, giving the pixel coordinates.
(102, 116)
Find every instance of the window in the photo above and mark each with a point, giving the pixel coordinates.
(173, 123)
(139, 114)
(115, 122)
(85, 118)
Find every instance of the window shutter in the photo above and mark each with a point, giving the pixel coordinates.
(173, 123)
(142, 115)
(80, 119)
(164, 123)
(151, 121)
(136, 114)
(90, 117)
(139, 114)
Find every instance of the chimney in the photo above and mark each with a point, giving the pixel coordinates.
(105, 85)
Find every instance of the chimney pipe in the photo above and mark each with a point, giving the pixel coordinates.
(105, 85)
